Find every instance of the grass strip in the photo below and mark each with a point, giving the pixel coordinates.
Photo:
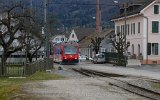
(156, 85)
(11, 86)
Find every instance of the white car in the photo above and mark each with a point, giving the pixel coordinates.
(82, 58)
(99, 58)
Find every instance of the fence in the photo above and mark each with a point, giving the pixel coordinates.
(112, 57)
(14, 69)
(38, 66)
(20, 69)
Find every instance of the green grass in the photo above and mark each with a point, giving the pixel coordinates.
(44, 76)
(10, 86)
(156, 85)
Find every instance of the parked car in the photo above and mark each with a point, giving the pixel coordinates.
(99, 58)
(82, 58)
(91, 59)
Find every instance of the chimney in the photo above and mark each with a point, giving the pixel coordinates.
(158, 1)
(97, 17)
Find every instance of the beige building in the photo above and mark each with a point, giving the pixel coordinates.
(86, 47)
(142, 29)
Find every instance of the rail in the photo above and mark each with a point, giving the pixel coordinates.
(121, 84)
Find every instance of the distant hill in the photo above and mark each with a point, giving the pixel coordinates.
(81, 12)
(74, 13)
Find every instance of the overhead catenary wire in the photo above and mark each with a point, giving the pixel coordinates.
(83, 4)
(78, 4)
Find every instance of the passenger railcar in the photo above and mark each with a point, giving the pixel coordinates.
(66, 53)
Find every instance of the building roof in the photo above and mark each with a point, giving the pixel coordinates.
(73, 37)
(87, 40)
(138, 6)
(81, 32)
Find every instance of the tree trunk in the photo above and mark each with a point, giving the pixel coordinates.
(3, 64)
(1, 68)
(29, 56)
(30, 59)
(96, 51)
(120, 59)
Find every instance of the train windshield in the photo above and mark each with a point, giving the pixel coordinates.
(70, 49)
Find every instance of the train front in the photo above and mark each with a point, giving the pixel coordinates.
(71, 54)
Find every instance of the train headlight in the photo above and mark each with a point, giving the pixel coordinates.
(65, 57)
(76, 58)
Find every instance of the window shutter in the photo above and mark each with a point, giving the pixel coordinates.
(157, 27)
(133, 28)
(153, 27)
(128, 29)
(139, 27)
(149, 49)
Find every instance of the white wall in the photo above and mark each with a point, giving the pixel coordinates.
(136, 38)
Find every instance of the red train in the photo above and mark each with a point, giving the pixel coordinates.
(66, 53)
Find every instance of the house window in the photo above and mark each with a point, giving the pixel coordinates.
(139, 27)
(57, 39)
(128, 29)
(152, 48)
(132, 49)
(139, 49)
(133, 28)
(118, 29)
(155, 26)
(156, 9)
(121, 29)
(72, 35)
(62, 39)
(103, 49)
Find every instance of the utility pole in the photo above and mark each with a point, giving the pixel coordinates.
(125, 34)
(31, 4)
(47, 50)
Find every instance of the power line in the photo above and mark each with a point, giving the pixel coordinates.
(83, 4)
(80, 4)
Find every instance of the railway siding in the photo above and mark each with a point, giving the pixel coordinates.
(145, 84)
(124, 71)
(138, 86)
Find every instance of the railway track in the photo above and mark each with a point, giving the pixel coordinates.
(120, 83)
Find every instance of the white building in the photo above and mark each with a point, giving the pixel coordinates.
(59, 38)
(143, 29)
(73, 37)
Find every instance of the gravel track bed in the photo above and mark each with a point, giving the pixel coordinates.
(145, 84)
(78, 89)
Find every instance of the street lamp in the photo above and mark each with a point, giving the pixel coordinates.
(46, 33)
(125, 34)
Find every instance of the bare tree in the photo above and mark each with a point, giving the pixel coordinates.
(32, 47)
(11, 37)
(96, 43)
(119, 43)
(34, 41)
